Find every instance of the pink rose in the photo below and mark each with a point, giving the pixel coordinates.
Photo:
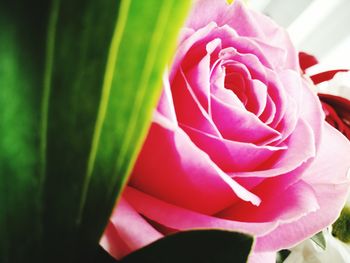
(238, 141)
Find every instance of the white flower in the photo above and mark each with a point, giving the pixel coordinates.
(309, 252)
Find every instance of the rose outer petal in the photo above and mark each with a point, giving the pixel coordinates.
(281, 206)
(333, 159)
(313, 113)
(127, 231)
(264, 257)
(179, 218)
(186, 178)
(288, 235)
(113, 243)
(256, 25)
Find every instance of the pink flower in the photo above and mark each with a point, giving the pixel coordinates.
(238, 141)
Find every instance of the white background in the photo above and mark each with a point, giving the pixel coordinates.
(320, 27)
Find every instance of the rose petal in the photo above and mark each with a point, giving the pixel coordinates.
(198, 77)
(188, 177)
(127, 231)
(243, 45)
(278, 206)
(278, 97)
(184, 99)
(267, 257)
(301, 148)
(230, 155)
(257, 97)
(217, 84)
(237, 124)
(186, 44)
(287, 235)
(113, 243)
(205, 11)
(253, 90)
(276, 55)
(269, 113)
(313, 113)
(292, 87)
(166, 104)
(332, 159)
(250, 23)
(256, 25)
(179, 218)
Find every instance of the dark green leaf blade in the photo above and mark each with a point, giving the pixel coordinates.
(22, 41)
(282, 255)
(205, 246)
(56, 151)
(79, 37)
(144, 41)
(340, 228)
(99, 65)
(102, 256)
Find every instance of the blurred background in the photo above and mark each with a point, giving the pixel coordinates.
(319, 27)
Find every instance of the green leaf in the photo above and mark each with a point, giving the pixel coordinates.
(78, 83)
(143, 44)
(205, 246)
(320, 240)
(78, 40)
(341, 227)
(104, 65)
(22, 40)
(102, 256)
(282, 255)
